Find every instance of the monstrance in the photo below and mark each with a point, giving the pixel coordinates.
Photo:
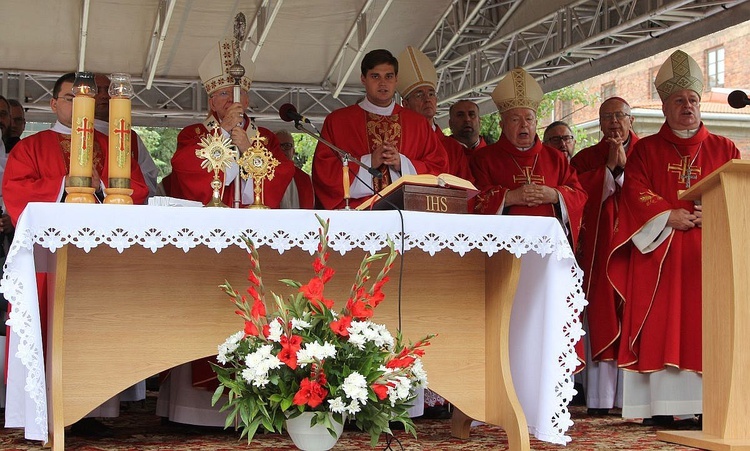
(217, 154)
(259, 163)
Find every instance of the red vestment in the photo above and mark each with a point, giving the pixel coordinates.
(458, 162)
(470, 151)
(190, 181)
(661, 290)
(501, 167)
(39, 163)
(357, 131)
(595, 244)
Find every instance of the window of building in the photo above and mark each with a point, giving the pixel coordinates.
(608, 90)
(651, 85)
(565, 110)
(715, 67)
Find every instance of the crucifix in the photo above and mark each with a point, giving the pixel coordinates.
(687, 172)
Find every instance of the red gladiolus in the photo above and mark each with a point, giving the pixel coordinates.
(251, 329)
(314, 292)
(289, 348)
(253, 292)
(402, 362)
(381, 391)
(259, 309)
(359, 309)
(252, 278)
(327, 274)
(310, 393)
(318, 265)
(266, 331)
(340, 327)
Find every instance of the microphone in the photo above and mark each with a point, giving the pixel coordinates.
(288, 113)
(738, 99)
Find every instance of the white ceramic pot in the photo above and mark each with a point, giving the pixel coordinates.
(316, 438)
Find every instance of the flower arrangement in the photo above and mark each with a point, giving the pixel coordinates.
(300, 354)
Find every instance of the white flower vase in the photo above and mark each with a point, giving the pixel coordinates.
(315, 438)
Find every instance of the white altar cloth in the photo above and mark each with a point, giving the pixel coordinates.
(544, 324)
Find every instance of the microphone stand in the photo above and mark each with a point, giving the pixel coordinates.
(346, 157)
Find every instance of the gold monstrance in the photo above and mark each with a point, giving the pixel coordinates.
(259, 163)
(217, 154)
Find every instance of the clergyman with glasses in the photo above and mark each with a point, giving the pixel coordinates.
(601, 172)
(417, 82)
(559, 135)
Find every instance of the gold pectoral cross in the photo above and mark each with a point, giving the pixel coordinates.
(527, 176)
(686, 171)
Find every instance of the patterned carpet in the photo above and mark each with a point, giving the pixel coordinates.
(139, 429)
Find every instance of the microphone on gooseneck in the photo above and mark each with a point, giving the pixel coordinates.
(288, 113)
(738, 99)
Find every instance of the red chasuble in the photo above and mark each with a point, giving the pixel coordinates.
(501, 167)
(595, 244)
(190, 181)
(661, 290)
(358, 132)
(38, 164)
(458, 163)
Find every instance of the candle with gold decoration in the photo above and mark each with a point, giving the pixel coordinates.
(118, 183)
(78, 183)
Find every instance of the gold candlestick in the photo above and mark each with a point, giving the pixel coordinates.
(118, 185)
(78, 184)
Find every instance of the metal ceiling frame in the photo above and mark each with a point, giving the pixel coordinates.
(475, 42)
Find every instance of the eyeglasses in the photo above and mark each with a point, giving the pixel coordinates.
(609, 116)
(66, 97)
(556, 140)
(420, 95)
(287, 146)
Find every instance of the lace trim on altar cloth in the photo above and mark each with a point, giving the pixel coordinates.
(186, 238)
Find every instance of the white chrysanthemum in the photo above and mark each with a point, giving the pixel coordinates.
(315, 351)
(300, 324)
(259, 363)
(275, 330)
(401, 389)
(229, 346)
(357, 340)
(355, 387)
(353, 408)
(420, 375)
(337, 405)
(367, 331)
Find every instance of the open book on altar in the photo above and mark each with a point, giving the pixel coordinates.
(424, 192)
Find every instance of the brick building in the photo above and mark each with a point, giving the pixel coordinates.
(722, 59)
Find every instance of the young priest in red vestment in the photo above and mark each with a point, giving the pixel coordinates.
(417, 81)
(36, 172)
(518, 175)
(601, 172)
(189, 180)
(655, 264)
(379, 133)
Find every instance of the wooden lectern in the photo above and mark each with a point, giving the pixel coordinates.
(726, 311)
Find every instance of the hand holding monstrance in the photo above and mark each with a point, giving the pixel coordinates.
(217, 154)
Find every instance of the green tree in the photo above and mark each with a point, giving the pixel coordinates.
(161, 143)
